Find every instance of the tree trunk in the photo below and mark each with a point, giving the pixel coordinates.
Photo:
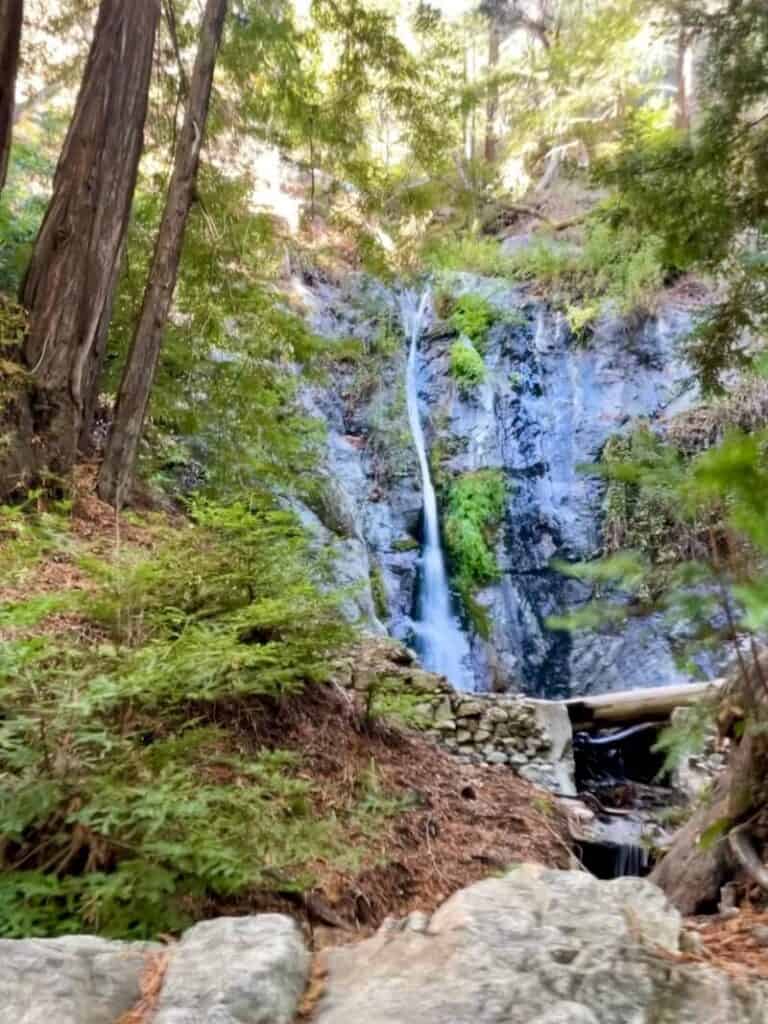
(682, 81)
(492, 102)
(136, 384)
(71, 279)
(701, 859)
(11, 16)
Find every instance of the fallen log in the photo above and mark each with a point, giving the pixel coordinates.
(630, 706)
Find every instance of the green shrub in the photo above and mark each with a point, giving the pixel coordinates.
(131, 791)
(623, 264)
(615, 262)
(546, 261)
(468, 253)
(405, 544)
(475, 506)
(379, 593)
(581, 319)
(467, 366)
(472, 316)
(390, 699)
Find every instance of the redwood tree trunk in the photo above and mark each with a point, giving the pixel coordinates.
(136, 384)
(11, 16)
(71, 279)
(492, 103)
(682, 99)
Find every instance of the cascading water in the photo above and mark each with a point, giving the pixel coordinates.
(440, 641)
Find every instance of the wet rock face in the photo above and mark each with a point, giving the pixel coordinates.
(546, 409)
(371, 507)
(536, 947)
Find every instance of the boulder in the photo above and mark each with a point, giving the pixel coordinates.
(537, 947)
(77, 979)
(235, 970)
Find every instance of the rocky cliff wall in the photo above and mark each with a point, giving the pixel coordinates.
(545, 410)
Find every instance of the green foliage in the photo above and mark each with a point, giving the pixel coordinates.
(715, 833)
(623, 264)
(405, 544)
(642, 505)
(474, 509)
(468, 253)
(472, 316)
(703, 194)
(616, 263)
(22, 206)
(27, 537)
(131, 790)
(581, 319)
(379, 593)
(224, 398)
(389, 699)
(688, 734)
(697, 520)
(547, 261)
(467, 366)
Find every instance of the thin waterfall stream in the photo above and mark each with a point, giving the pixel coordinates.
(440, 640)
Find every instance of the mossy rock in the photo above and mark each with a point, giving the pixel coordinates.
(405, 544)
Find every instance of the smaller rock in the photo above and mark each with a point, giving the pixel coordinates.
(425, 681)
(511, 745)
(468, 708)
(497, 757)
(495, 713)
(760, 934)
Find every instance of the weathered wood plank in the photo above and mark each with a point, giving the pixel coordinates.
(636, 705)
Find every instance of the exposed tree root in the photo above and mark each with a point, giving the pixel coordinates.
(740, 841)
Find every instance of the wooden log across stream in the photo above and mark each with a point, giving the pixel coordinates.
(629, 706)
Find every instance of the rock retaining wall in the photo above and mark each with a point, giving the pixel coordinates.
(533, 737)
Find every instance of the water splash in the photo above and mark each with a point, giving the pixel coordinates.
(631, 860)
(440, 640)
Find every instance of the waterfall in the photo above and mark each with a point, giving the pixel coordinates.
(440, 640)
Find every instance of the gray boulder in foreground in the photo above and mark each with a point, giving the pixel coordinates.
(235, 970)
(536, 947)
(77, 979)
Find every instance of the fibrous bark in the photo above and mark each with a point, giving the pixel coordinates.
(492, 103)
(136, 384)
(11, 16)
(71, 279)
